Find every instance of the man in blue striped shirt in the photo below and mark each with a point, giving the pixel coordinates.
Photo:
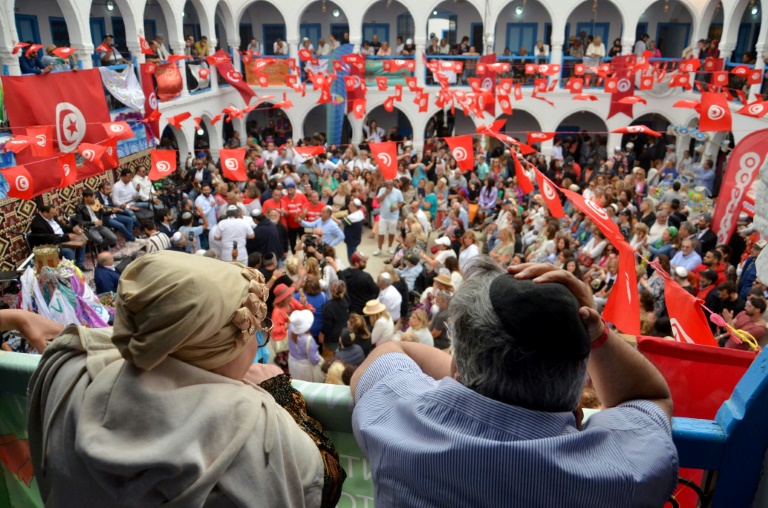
(497, 423)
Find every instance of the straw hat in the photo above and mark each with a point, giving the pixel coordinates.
(445, 280)
(282, 292)
(373, 307)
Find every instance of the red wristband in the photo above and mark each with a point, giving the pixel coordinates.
(603, 337)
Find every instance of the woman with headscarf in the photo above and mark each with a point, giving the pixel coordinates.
(168, 407)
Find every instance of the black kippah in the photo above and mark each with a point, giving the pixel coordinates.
(540, 317)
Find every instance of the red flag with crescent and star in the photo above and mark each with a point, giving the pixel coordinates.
(386, 155)
(73, 105)
(625, 85)
(461, 150)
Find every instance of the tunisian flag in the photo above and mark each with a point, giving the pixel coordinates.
(72, 102)
(550, 195)
(623, 306)
(687, 319)
(163, 164)
(234, 78)
(68, 169)
(461, 150)
(150, 98)
(625, 85)
(715, 113)
(386, 156)
(522, 178)
(20, 184)
(233, 164)
(743, 167)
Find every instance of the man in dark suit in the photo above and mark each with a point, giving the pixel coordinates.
(104, 275)
(90, 215)
(707, 238)
(48, 229)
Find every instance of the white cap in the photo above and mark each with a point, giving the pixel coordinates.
(617, 149)
(681, 272)
(409, 41)
(176, 236)
(232, 208)
(357, 202)
(443, 240)
(385, 276)
(630, 145)
(200, 252)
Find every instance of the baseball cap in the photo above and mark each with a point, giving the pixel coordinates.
(506, 202)
(412, 259)
(290, 185)
(546, 318)
(709, 274)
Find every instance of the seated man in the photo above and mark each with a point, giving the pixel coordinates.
(48, 229)
(502, 413)
(90, 215)
(156, 240)
(145, 192)
(104, 275)
(116, 218)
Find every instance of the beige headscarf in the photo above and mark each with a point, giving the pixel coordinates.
(198, 310)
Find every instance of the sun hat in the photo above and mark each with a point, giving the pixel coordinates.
(282, 292)
(301, 321)
(373, 307)
(445, 280)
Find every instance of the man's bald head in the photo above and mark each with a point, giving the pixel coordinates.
(105, 259)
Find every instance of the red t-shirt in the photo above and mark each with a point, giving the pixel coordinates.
(270, 204)
(293, 207)
(313, 211)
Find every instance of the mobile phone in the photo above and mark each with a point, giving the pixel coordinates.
(234, 245)
(191, 236)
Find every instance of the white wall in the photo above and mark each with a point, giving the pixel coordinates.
(259, 14)
(534, 12)
(606, 13)
(466, 15)
(314, 14)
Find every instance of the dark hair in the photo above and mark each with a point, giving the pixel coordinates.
(103, 184)
(126, 171)
(87, 193)
(727, 286)
(46, 208)
(716, 253)
(269, 258)
(757, 303)
(676, 187)
(148, 226)
(254, 259)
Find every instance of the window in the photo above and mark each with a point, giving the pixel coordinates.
(405, 27)
(27, 29)
(380, 29)
(272, 32)
(59, 32)
(310, 31)
(150, 28)
(521, 35)
(246, 34)
(193, 30)
(98, 31)
(118, 30)
(593, 29)
(338, 30)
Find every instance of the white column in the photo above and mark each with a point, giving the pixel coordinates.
(356, 41)
(759, 64)
(234, 44)
(627, 46)
(293, 49)
(419, 71)
(556, 51)
(357, 128)
(213, 75)
(84, 54)
(12, 61)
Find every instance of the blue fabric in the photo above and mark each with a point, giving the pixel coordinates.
(332, 233)
(748, 276)
(317, 301)
(105, 279)
(431, 441)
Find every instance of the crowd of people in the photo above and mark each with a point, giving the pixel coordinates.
(446, 239)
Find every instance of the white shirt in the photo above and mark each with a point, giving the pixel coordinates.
(55, 226)
(596, 50)
(640, 47)
(234, 230)
(324, 50)
(467, 254)
(145, 187)
(383, 331)
(391, 298)
(269, 155)
(443, 255)
(424, 335)
(256, 48)
(123, 193)
(375, 135)
(283, 50)
(422, 218)
(209, 208)
(162, 51)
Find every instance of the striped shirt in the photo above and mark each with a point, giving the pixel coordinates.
(438, 443)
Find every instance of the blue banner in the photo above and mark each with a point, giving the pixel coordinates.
(337, 109)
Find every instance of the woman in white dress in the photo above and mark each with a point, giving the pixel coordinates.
(383, 326)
